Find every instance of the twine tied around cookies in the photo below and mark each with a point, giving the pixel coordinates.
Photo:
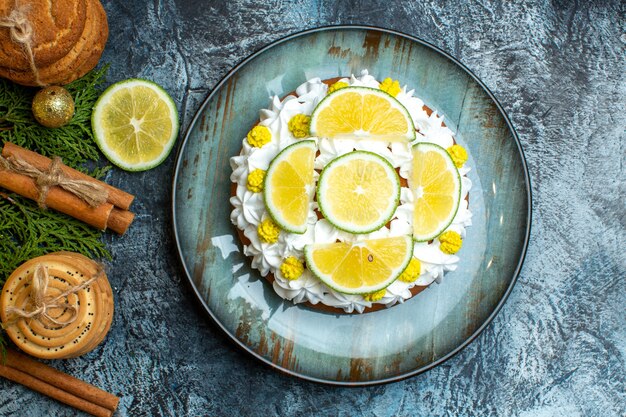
(91, 193)
(43, 303)
(22, 33)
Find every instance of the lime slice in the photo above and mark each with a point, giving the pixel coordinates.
(361, 267)
(288, 187)
(135, 124)
(362, 112)
(358, 192)
(436, 186)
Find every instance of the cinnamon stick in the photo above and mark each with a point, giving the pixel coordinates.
(58, 199)
(53, 392)
(102, 217)
(116, 196)
(61, 381)
(120, 220)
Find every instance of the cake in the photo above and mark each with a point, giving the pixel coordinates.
(350, 174)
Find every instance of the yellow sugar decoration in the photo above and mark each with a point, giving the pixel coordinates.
(299, 125)
(259, 136)
(451, 242)
(268, 231)
(458, 155)
(336, 86)
(292, 268)
(412, 271)
(375, 296)
(391, 87)
(255, 180)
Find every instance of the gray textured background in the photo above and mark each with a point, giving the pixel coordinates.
(558, 347)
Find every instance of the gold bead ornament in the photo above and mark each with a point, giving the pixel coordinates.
(53, 106)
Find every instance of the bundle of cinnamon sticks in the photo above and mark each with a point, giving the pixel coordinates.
(112, 214)
(55, 384)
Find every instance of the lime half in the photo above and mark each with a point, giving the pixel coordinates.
(358, 192)
(289, 186)
(135, 124)
(360, 267)
(362, 112)
(436, 186)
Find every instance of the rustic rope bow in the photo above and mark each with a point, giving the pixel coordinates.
(90, 192)
(22, 33)
(42, 303)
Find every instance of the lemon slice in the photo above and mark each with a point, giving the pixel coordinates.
(360, 267)
(436, 186)
(362, 112)
(288, 187)
(358, 192)
(135, 124)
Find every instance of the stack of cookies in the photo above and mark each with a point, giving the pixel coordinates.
(67, 40)
(71, 324)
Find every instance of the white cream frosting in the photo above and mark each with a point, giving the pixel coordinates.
(249, 209)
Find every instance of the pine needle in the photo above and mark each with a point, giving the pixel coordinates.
(73, 142)
(25, 230)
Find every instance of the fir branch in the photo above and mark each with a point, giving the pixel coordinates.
(73, 142)
(25, 230)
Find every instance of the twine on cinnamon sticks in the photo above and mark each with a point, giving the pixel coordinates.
(41, 302)
(22, 34)
(91, 193)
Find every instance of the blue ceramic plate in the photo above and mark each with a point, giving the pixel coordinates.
(357, 349)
